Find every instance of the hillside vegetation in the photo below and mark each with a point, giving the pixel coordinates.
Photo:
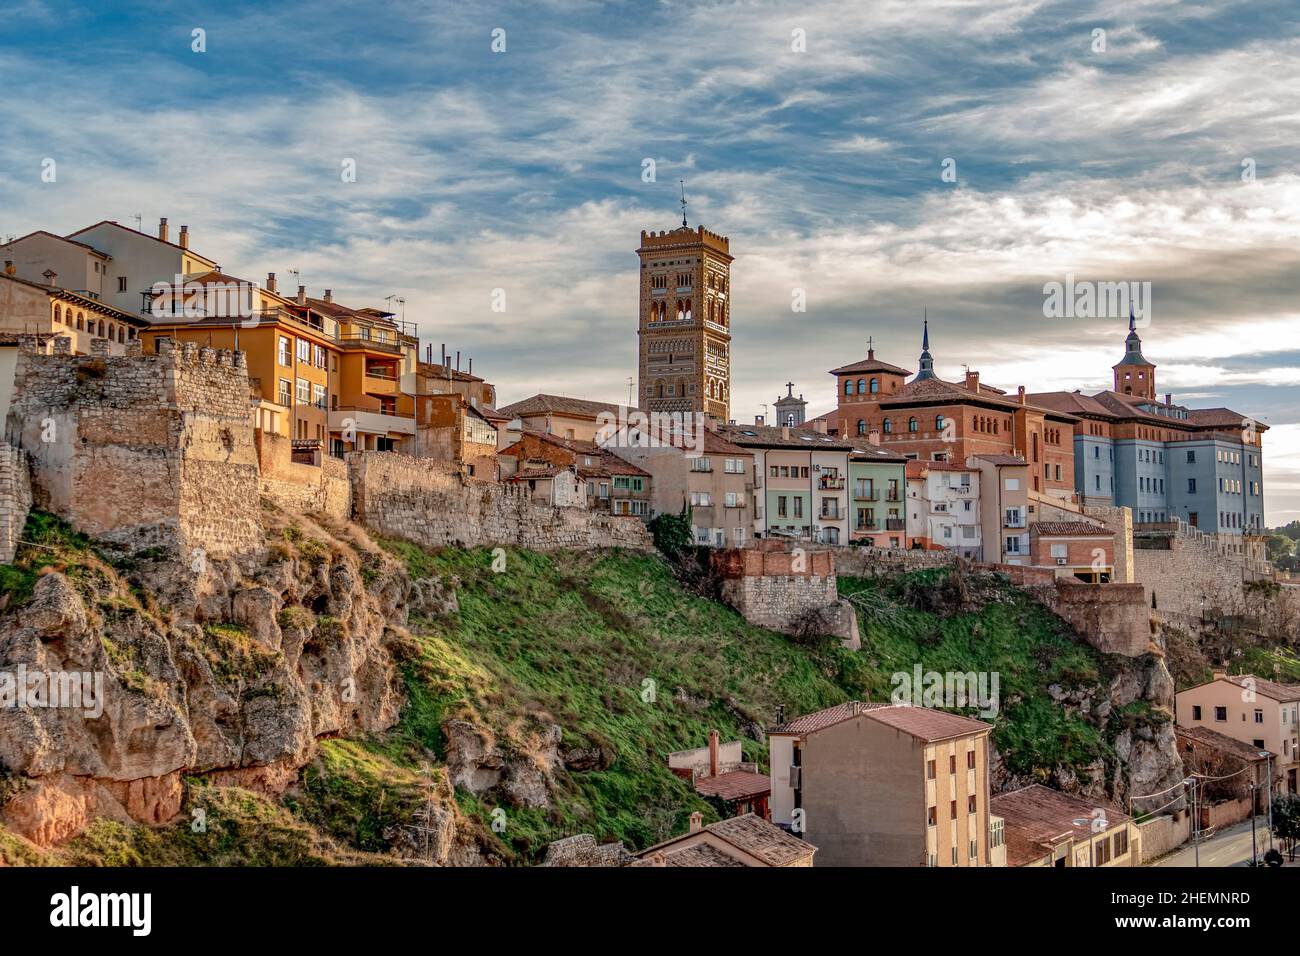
(631, 665)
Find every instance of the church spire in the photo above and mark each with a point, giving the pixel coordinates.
(926, 368)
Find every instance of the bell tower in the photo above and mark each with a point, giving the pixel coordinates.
(1134, 375)
(685, 322)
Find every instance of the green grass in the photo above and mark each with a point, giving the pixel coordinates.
(615, 651)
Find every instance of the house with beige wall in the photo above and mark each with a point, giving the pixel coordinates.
(1045, 827)
(39, 308)
(1004, 507)
(1261, 713)
(716, 484)
(876, 784)
(573, 418)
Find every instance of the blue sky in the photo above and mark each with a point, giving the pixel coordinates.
(522, 171)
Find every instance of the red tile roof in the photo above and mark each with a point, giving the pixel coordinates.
(1222, 743)
(736, 785)
(542, 404)
(1070, 528)
(1038, 817)
(749, 833)
(1270, 689)
(923, 723)
(1002, 459)
(869, 365)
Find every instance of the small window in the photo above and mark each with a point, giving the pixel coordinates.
(121, 283)
(1196, 712)
(1221, 714)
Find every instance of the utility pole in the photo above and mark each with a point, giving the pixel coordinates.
(1196, 822)
(1254, 850)
(1269, 780)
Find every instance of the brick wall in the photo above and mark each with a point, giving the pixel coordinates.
(410, 498)
(15, 499)
(873, 562)
(142, 450)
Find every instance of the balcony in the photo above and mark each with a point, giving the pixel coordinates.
(355, 342)
(893, 496)
(895, 524)
(831, 514)
(364, 420)
(866, 494)
(830, 484)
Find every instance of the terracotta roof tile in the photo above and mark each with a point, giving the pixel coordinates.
(736, 785)
(868, 365)
(759, 838)
(1037, 817)
(1071, 528)
(1221, 742)
(541, 404)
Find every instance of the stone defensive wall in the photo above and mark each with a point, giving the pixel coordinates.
(431, 505)
(142, 450)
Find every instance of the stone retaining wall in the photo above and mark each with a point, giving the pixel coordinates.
(15, 499)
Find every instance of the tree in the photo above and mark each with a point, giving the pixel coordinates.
(1278, 546)
(673, 534)
(1286, 820)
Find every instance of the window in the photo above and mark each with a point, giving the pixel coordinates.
(929, 770)
(1196, 712)
(1102, 847)
(285, 396)
(938, 423)
(875, 386)
(1121, 842)
(997, 833)
(932, 816)
(731, 499)
(318, 395)
(1221, 714)
(848, 386)
(121, 283)
(700, 464)
(798, 507)
(952, 768)
(1191, 486)
(304, 351)
(1259, 716)
(888, 426)
(970, 803)
(970, 760)
(773, 471)
(952, 812)
(284, 351)
(862, 387)
(862, 427)
(780, 506)
(911, 424)
(304, 391)
(318, 355)
(974, 849)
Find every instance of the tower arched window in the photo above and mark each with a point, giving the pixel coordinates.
(911, 424)
(875, 386)
(58, 313)
(939, 422)
(862, 427)
(862, 387)
(112, 332)
(889, 426)
(100, 330)
(688, 310)
(848, 386)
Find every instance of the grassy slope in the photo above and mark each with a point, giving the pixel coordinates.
(571, 638)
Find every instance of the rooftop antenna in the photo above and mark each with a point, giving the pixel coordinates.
(139, 222)
(629, 391)
(683, 184)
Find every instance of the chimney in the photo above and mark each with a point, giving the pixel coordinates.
(329, 295)
(185, 237)
(471, 366)
(162, 229)
(758, 420)
(1169, 398)
(697, 822)
(973, 380)
(51, 277)
(9, 267)
(713, 753)
(1219, 673)
(443, 363)
(458, 360)
(873, 438)
(270, 282)
(785, 432)
(302, 295)
(819, 426)
(1021, 394)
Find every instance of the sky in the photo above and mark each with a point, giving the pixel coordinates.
(880, 160)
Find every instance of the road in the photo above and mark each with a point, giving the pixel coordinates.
(1230, 847)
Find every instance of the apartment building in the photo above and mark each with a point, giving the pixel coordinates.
(1261, 713)
(109, 262)
(45, 308)
(886, 785)
(292, 354)
(877, 492)
(716, 484)
(1164, 460)
(943, 507)
(1047, 828)
(1004, 511)
(800, 482)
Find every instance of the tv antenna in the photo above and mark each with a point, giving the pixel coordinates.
(139, 222)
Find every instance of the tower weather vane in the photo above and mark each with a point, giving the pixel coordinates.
(683, 200)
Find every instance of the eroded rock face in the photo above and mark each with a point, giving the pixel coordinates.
(235, 674)
(522, 775)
